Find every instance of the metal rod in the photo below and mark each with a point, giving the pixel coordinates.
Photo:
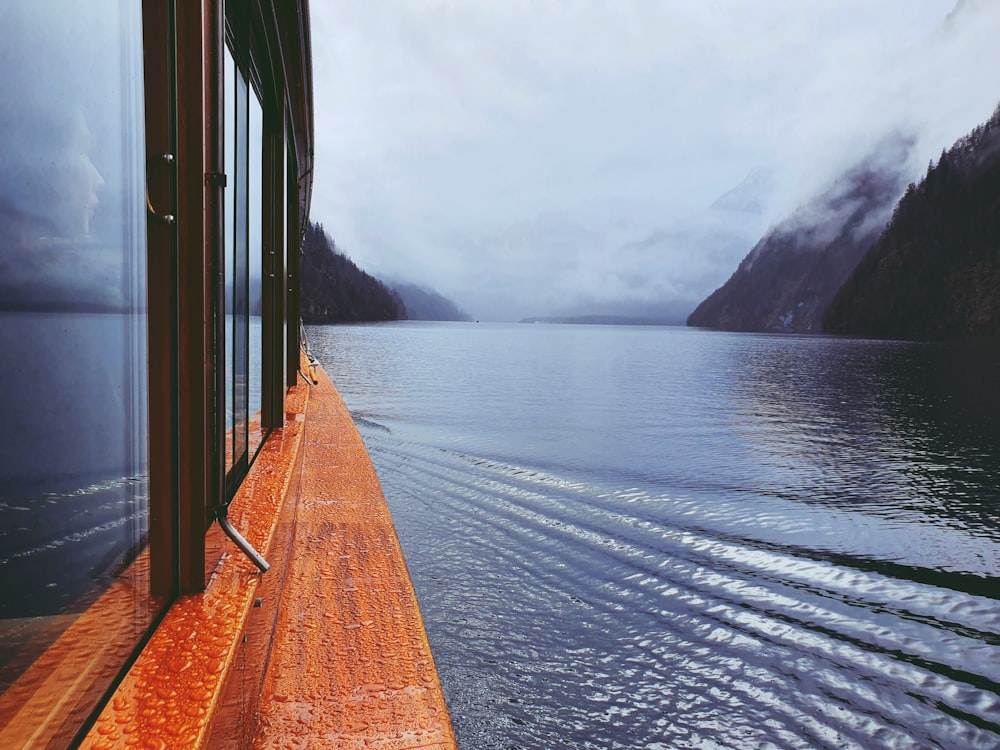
(243, 544)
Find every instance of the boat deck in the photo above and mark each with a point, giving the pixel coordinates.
(327, 649)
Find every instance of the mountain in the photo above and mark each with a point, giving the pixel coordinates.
(750, 195)
(935, 272)
(335, 290)
(790, 275)
(423, 303)
(638, 312)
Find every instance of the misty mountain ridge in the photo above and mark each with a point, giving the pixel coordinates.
(751, 195)
(423, 303)
(640, 272)
(935, 271)
(665, 273)
(665, 312)
(595, 320)
(787, 279)
(613, 261)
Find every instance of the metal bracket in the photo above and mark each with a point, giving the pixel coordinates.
(255, 557)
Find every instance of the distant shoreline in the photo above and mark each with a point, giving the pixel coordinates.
(602, 320)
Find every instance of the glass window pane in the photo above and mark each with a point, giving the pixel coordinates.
(288, 238)
(74, 569)
(256, 254)
(282, 168)
(239, 279)
(229, 246)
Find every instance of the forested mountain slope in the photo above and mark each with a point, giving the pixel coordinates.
(335, 290)
(935, 272)
(789, 277)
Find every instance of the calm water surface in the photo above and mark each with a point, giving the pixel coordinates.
(673, 538)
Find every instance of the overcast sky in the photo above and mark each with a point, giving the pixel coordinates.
(530, 157)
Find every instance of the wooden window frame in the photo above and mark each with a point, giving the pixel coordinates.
(184, 45)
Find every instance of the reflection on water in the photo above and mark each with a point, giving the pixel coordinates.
(660, 538)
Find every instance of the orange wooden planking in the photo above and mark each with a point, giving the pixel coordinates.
(348, 663)
(351, 666)
(170, 696)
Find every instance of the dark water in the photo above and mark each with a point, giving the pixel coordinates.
(672, 538)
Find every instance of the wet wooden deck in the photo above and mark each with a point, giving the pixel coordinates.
(327, 649)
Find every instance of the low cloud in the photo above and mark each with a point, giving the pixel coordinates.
(528, 158)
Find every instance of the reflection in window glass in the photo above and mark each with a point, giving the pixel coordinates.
(283, 167)
(74, 570)
(229, 245)
(236, 273)
(240, 277)
(288, 242)
(243, 355)
(256, 254)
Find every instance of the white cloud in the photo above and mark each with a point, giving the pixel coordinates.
(504, 151)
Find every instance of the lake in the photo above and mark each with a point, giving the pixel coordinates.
(656, 537)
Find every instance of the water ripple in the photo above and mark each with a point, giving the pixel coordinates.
(732, 639)
(666, 538)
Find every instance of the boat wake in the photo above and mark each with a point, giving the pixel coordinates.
(564, 613)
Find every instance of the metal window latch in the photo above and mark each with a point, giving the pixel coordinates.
(216, 179)
(165, 218)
